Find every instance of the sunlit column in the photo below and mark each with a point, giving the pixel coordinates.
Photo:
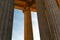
(54, 18)
(42, 21)
(58, 3)
(6, 19)
(28, 34)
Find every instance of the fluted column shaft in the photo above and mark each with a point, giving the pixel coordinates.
(6, 19)
(42, 21)
(28, 34)
(54, 18)
(50, 18)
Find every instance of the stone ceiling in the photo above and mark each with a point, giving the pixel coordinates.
(20, 4)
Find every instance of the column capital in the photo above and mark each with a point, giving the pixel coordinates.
(26, 9)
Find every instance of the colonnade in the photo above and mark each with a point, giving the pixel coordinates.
(48, 19)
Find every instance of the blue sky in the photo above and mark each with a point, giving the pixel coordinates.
(18, 25)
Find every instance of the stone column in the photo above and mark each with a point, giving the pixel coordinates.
(49, 22)
(6, 19)
(28, 34)
(42, 21)
(58, 3)
(53, 18)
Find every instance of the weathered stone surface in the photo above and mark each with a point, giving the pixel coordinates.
(42, 21)
(6, 19)
(54, 18)
(49, 23)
